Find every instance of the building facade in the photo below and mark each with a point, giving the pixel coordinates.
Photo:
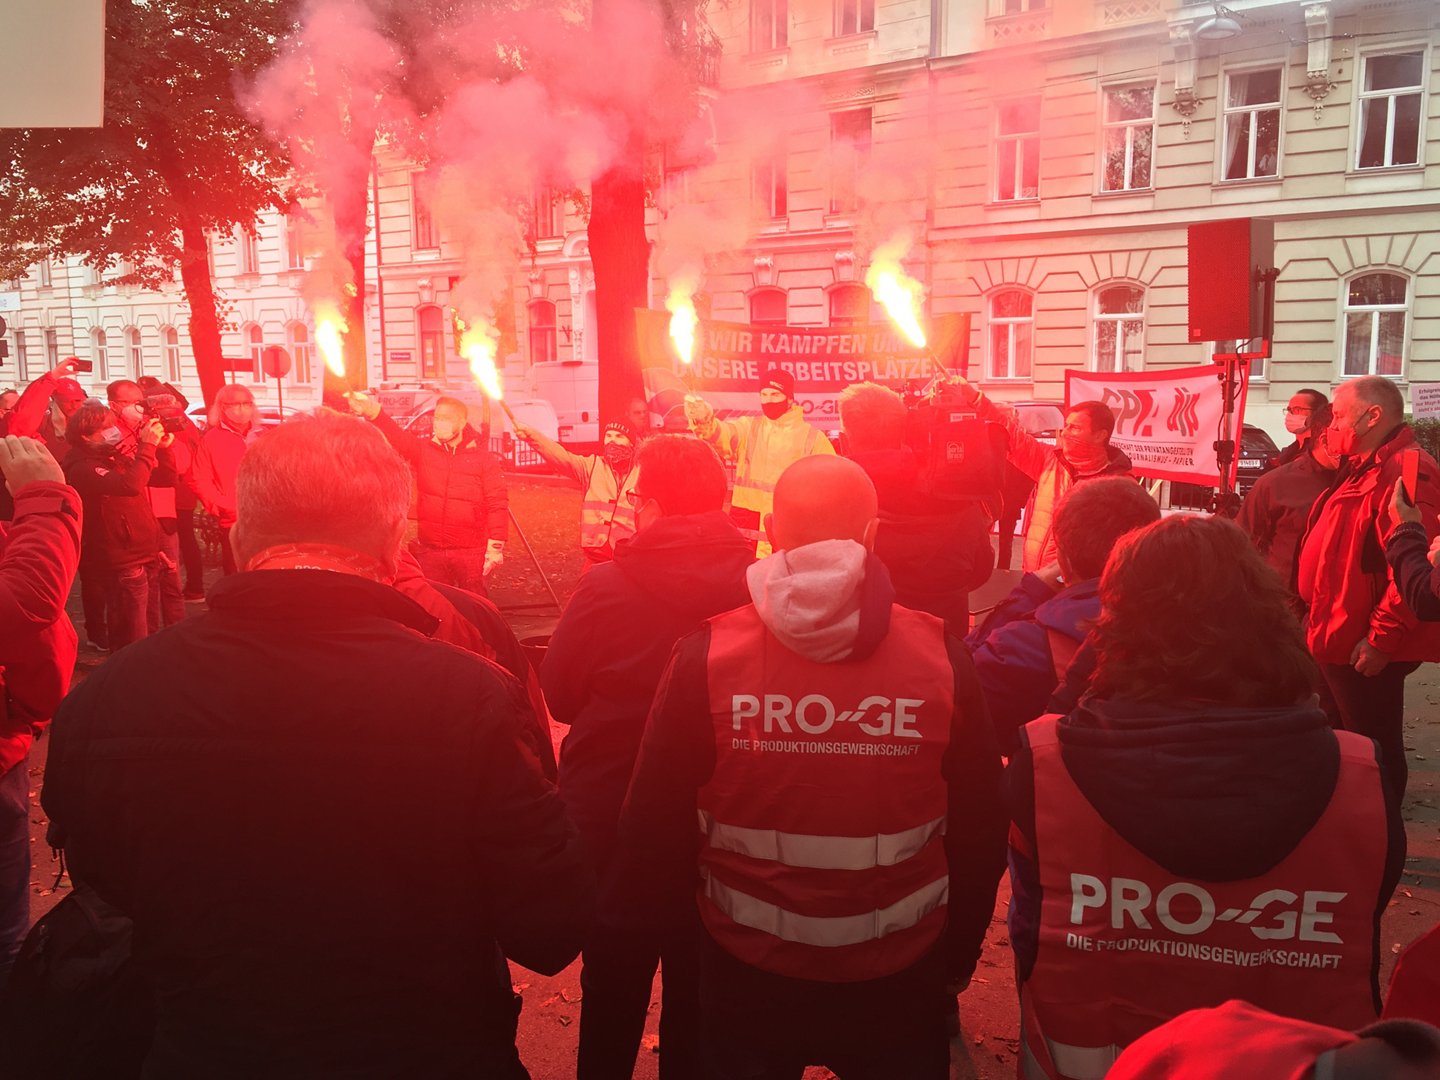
(1044, 157)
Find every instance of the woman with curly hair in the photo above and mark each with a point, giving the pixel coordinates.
(1194, 831)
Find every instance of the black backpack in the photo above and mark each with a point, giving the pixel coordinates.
(74, 1006)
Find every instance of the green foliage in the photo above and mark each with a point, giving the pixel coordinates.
(1427, 433)
(175, 148)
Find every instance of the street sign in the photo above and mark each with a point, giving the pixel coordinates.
(400, 356)
(275, 362)
(1425, 400)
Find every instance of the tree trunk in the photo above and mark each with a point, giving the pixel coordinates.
(349, 207)
(620, 255)
(204, 317)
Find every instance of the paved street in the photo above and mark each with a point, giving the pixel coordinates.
(549, 1025)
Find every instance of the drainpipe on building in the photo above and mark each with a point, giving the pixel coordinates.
(379, 269)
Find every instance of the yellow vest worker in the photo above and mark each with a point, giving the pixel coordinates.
(607, 515)
(762, 447)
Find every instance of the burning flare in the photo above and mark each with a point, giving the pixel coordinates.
(683, 322)
(328, 330)
(896, 291)
(477, 346)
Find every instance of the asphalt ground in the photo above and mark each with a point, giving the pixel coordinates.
(547, 513)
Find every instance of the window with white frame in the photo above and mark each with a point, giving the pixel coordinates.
(1017, 149)
(294, 241)
(849, 306)
(427, 237)
(854, 17)
(768, 25)
(1376, 306)
(210, 254)
(135, 354)
(1252, 124)
(52, 350)
(99, 355)
(22, 358)
(542, 331)
(432, 343)
(849, 152)
(249, 250)
(170, 345)
(1128, 138)
(1016, 7)
(1391, 86)
(255, 346)
(1012, 328)
(772, 185)
(297, 340)
(768, 307)
(1230, 347)
(1119, 328)
(547, 214)
(43, 268)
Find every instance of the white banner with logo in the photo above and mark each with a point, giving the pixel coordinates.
(1166, 422)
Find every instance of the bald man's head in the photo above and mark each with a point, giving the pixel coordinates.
(822, 498)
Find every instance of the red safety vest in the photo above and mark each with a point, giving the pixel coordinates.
(1125, 945)
(822, 852)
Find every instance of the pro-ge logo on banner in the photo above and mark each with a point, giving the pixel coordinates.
(1134, 901)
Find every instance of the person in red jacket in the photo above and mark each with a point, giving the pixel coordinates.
(39, 554)
(1365, 637)
(462, 506)
(232, 431)
(834, 748)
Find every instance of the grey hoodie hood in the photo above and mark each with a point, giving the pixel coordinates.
(827, 601)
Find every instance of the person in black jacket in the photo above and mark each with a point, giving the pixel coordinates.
(463, 506)
(686, 563)
(1411, 556)
(1277, 509)
(937, 550)
(122, 537)
(264, 787)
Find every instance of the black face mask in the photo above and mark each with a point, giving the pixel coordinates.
(619, 457)
(774, 409)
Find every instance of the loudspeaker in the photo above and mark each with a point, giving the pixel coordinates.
(1225, 289)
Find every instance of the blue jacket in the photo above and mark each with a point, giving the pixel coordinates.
(1012, 651)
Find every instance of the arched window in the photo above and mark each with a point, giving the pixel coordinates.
(171, 339)
(99, 354)
(849, 306)
(1119, 328)
(297, 340)
(432, 343)
(542, 331)
(134, 354)
(1375, 309)
(255, 345)
(1012, 328)
(767, 307)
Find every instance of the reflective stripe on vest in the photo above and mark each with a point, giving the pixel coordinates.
(1125, 945)
(828, 932)
(830, 886)
(820, 852)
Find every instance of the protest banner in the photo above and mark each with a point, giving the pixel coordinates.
(730, 358)
(1166, 422)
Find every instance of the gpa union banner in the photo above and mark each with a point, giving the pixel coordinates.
(731, 357)
(1166, 422)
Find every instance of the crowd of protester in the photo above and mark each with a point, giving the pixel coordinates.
(790, 779)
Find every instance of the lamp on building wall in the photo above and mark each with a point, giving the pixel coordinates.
(1221, 27)
(426, 288)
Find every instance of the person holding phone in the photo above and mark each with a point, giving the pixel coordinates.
(1413, 556)
(1364, 635)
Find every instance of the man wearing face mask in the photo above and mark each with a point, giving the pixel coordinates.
(121, 538)
(232, 431)
(1277, 509)
(1359, 628)
(1083, 452)
(607, 479)
(463, 509)
(762, 448)
(1307, 414)
(172, 460)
